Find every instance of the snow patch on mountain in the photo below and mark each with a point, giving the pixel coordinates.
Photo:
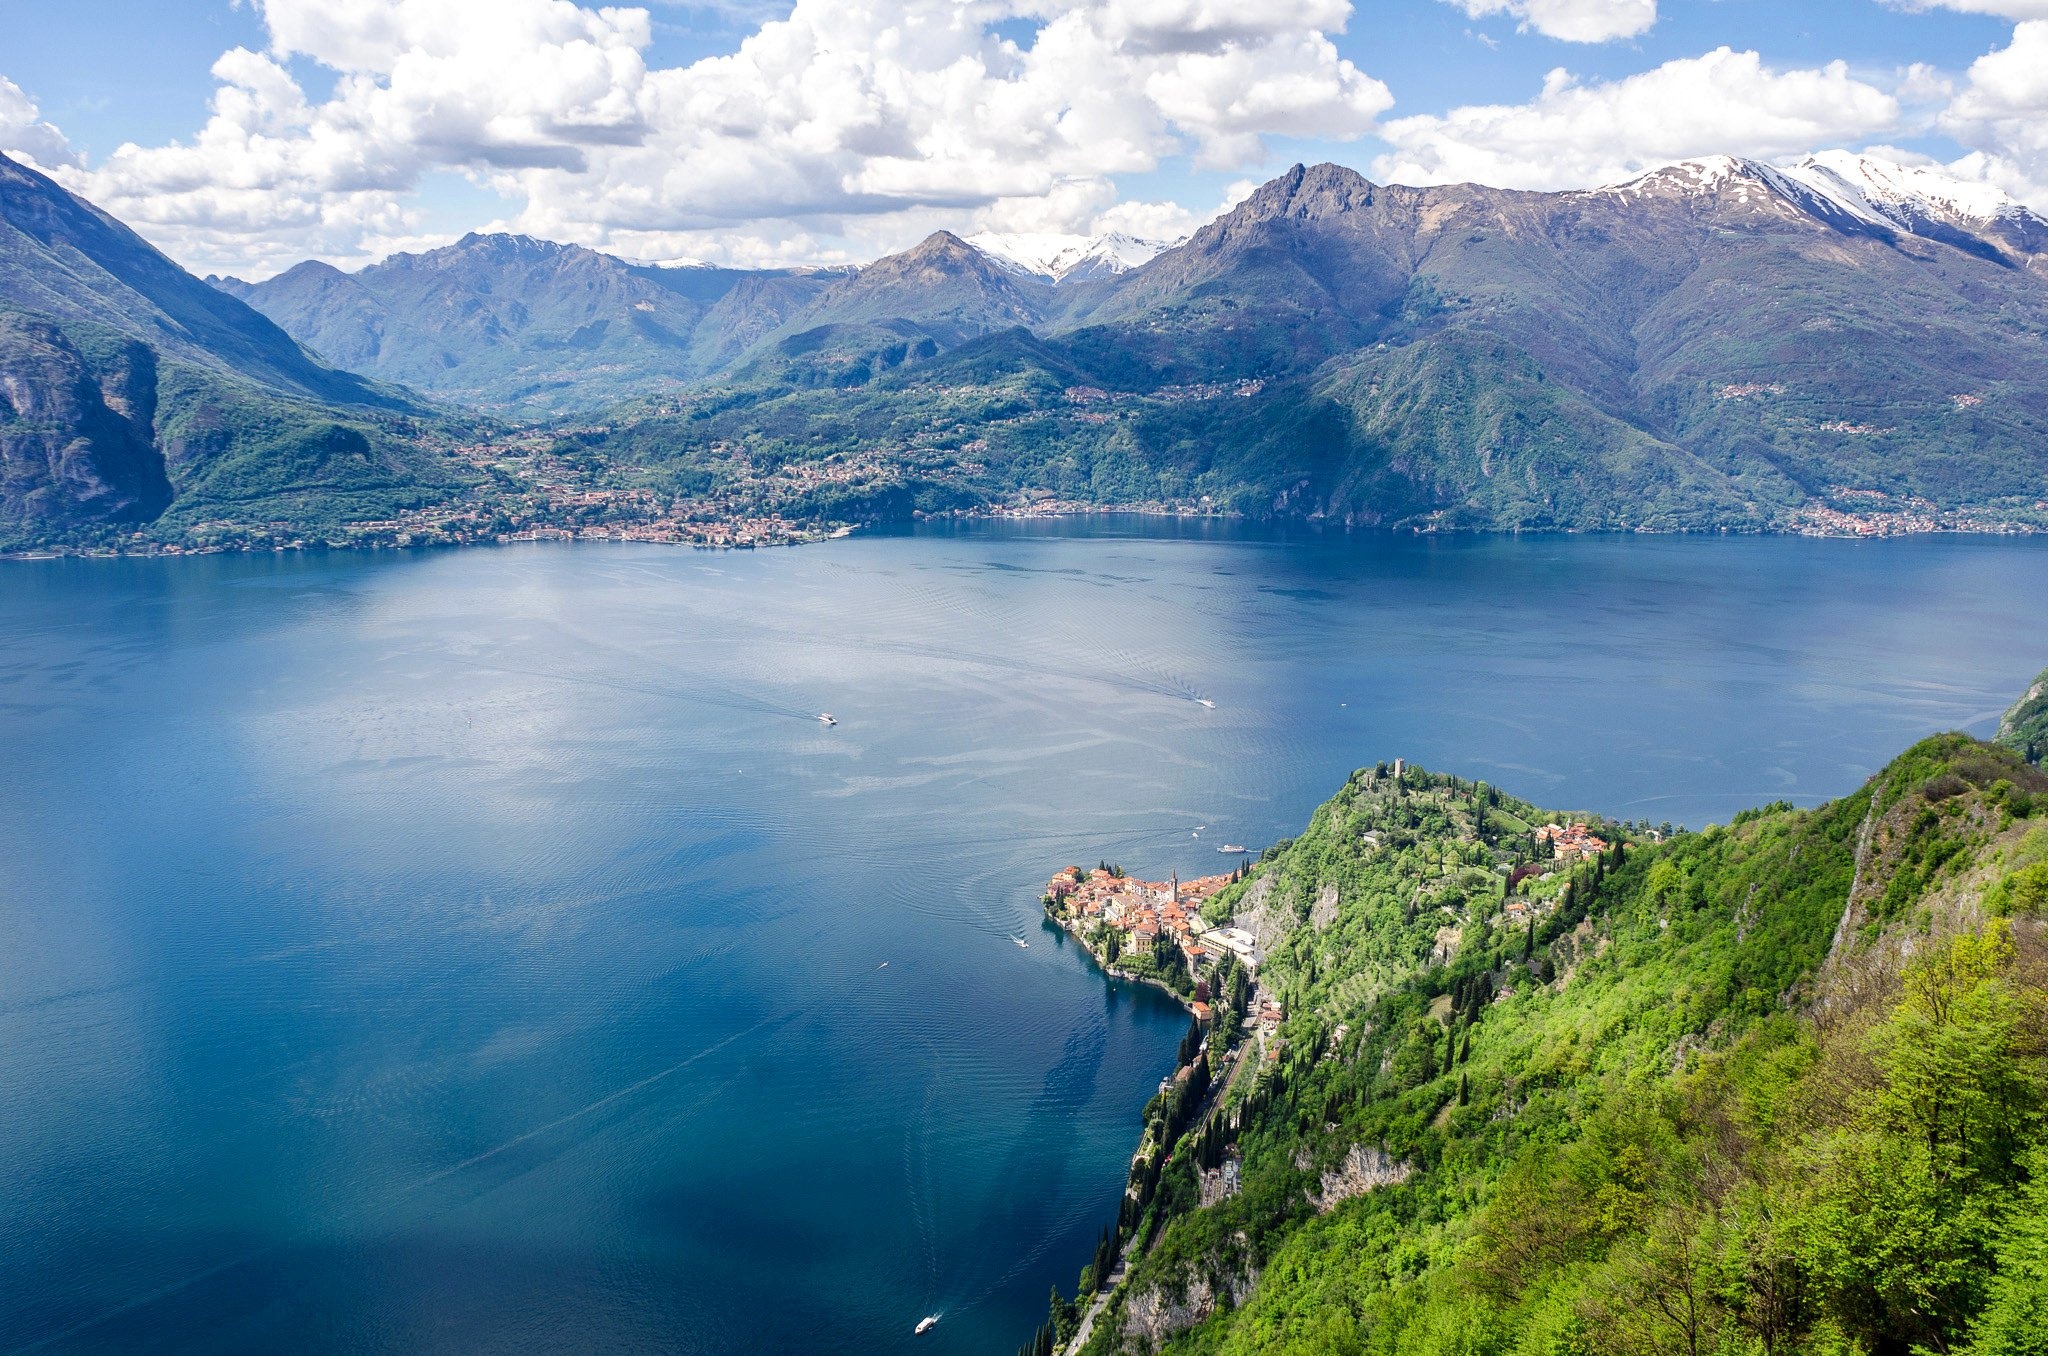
(1706, 176)
(1864, 190)
(1896, 193)
(1042, 254)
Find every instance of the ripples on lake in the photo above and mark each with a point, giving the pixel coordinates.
(485, 950)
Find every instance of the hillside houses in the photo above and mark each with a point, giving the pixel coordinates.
(1144, 914)
(1570, 842)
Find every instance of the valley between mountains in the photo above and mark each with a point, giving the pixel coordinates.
(1841, 345)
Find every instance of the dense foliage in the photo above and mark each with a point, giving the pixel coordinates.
(133, 396)
(2025, 728)
(1779, 1086)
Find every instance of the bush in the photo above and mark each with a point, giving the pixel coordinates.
(2025, 891)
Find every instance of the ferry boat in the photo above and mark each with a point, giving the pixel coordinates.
(1231, 847)
(825, 718)
(925, 1325)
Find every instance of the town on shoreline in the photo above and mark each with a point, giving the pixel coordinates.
(1201, 941)
(1151, 930)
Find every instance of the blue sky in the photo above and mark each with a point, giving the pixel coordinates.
(243, 136)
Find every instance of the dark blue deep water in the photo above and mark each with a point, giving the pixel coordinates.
(484, 951)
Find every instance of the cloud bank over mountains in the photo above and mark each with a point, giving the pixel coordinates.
(848, 127)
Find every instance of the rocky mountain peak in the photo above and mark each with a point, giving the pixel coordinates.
(1309, 193)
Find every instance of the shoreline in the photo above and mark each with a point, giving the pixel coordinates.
(1842, 528)
(1110, 970)
(173, 551)
(1234, 1025)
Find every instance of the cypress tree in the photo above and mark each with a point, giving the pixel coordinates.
(1529, 941)
(1464, 1091)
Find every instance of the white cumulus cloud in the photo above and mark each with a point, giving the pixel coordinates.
(2002, 9)
(845, 120)
(1571, 20)
(1577, 134)
(2001, 114)
(23, 133)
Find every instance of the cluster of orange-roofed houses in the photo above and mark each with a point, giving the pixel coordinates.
(1145, 911)
(1570, 842)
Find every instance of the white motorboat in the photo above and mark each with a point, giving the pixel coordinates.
(925, 1325)
(825, 718)
(1231, 847)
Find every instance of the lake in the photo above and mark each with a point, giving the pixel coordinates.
(491, 951)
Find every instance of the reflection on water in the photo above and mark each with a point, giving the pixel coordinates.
(491, 950)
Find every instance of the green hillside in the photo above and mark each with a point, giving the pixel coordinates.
(1778, 1086)
(134, 396)
(2025, 728)
(1688, 354)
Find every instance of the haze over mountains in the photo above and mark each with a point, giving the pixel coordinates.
(1720, 343)
(509, 321)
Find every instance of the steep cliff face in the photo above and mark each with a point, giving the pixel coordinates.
(77, 437)
(132, 393)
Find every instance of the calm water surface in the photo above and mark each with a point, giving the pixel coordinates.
(489, 951)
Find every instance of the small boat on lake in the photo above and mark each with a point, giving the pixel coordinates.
(1231, 847)
(825, 718)
(925, 1325)
(1021, 942)
(1206, 702)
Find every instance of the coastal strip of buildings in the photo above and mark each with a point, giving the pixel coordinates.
(1118, 916)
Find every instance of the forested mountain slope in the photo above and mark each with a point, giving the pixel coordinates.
(1715, 344)
(2025, 728)
(512, 323)
(1778, 1086)
(130, 389)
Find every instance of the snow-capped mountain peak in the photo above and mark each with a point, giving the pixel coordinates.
(1039, 254)
(1859, 193)
(1894, 193)
(1705, 176)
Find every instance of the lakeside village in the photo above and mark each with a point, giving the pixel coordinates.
(1157, 931)
(1173, 934)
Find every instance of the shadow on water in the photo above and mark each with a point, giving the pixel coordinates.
(491, 951)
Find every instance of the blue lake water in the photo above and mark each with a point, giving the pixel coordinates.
(485, 951)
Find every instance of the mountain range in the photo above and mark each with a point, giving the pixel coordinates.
(127, 386)
(510, 323)
(1069, 258)
(1719, 343)
(507, 322)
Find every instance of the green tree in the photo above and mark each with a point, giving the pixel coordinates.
(2015, 1321)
